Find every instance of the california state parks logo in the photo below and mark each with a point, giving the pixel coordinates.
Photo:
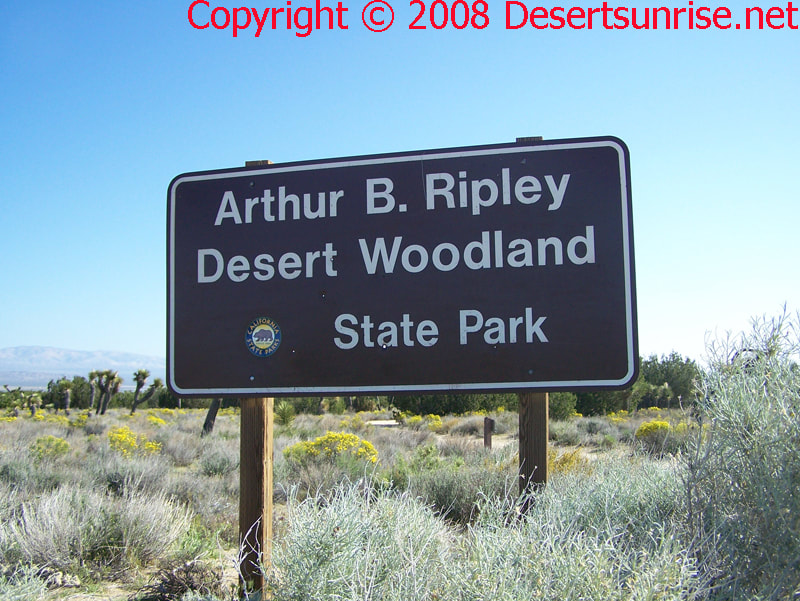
(263, 337)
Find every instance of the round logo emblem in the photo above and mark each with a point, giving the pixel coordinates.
(263, 337)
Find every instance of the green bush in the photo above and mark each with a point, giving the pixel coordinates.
(562, 405)
(673, 379)
(456, 404)
(364, 403)
(311, 405)
(337, 406)
(11, 398)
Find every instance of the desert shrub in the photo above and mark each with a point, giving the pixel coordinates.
(627, 433)
(194, 578)
(552, 555)
(125, 442)
(460, 447)
(455, 491)
(452, 483)
(355, 423)
(433, 423)
(330, 446)
(659, 437)
(70, 528)
(218, 459)
(573, 461)
(182, 448)
(397, 473)
(116, 473)
(49, 447)
(151, 525)
(79, 420)
(628, 495)
(683, 435)
(92, 425)
(609, 441)
(22, 584)
(607, 535)
(156, 421)
(565, 433)
(308, 426)
(214, 504)
(419, 422)
(506, 422)
(653, 435)
(361, 545)
(325, 462)
(392, 443)
(470, 426)
(594, 425)
(413, 421)
(19, 471)
(744, 472)
(619, 417)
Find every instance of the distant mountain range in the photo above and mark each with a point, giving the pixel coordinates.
(35, 366)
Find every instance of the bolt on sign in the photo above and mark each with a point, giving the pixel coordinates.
(492, 268)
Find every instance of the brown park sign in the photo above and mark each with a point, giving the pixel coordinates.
(491, 268)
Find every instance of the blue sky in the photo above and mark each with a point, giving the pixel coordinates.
(104, 103)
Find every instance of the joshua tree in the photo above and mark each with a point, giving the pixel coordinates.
(65, 387)
(140, 377)
(108, 382)
(93, 376)
(34, 402)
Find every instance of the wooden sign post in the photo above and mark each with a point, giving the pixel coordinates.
(255, 491)
(533, 435)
